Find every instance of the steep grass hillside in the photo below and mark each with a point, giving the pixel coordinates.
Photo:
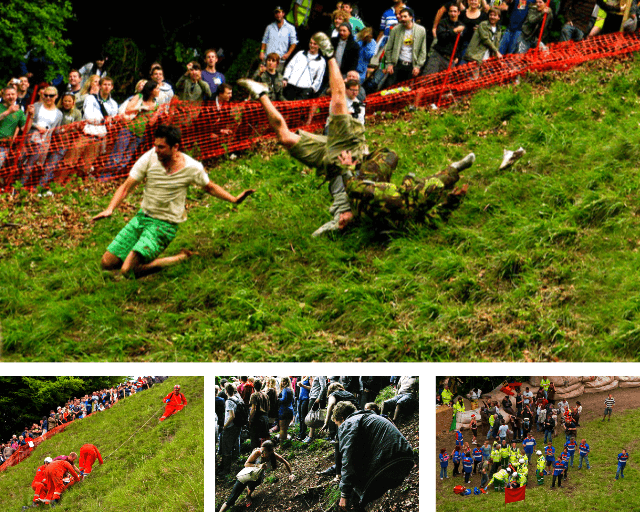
(160, 469)
(586, 490)
(539, 263)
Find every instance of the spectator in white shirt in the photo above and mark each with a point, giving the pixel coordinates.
(303, 75)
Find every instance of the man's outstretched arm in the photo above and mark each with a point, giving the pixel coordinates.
(220, 193)
(120, 195)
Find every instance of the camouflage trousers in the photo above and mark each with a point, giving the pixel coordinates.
(416, 199)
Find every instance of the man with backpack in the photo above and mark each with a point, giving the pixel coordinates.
(234, 419)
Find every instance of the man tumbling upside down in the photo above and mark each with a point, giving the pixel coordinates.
(360, 182)
(175, 402)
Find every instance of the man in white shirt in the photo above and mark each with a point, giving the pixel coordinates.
(304, 73)
(168, 173)
(279, 37)
(99, 108)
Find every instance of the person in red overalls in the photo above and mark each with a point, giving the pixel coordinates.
(38, 485)
(88, 455)
(175, 402)
(54, 473)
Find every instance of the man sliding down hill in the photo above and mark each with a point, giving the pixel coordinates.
(168, 173)
(359, 183)
(54, 473)
(88, 455)
(38, 484)
(175, 402)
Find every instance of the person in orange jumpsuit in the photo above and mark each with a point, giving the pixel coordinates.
(54, 473)
(88, 455)
(175, 402)
(38, 485)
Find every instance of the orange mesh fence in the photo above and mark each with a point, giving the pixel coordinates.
(209, 130)
(25, 451)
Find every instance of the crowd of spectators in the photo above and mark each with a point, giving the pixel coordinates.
(74, 409)
(272, 405)
(257, 407)
(512, 425)
(398, 47)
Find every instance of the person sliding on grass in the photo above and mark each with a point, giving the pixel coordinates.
(168, 173)
(359, 182)
(175, 402)
(54, 474)
(38, 484)
(258, 461)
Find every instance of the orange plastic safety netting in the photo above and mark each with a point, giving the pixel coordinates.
(209, 130)
(25, 451)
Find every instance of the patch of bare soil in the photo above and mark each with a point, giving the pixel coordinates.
(312, 493)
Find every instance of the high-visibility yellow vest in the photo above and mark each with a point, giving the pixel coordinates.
(304, 10)
(541, 463)
(446, 396)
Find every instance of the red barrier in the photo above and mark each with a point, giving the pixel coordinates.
(209, 131)
(25, 451)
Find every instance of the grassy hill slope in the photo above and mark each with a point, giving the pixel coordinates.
(586, 490)
(539, 263)
(160, 469)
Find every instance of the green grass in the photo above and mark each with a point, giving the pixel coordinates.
(161, 468)
(539, 263)
(586, 490)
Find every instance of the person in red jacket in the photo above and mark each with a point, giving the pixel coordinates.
(88, 455)
(175, 402)
(54, 473)
(38, 485)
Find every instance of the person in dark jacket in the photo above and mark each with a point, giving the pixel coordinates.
(374, 455)
(347, 51)
(447, 32)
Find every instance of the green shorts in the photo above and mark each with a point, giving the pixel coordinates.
(322, 151)
(145, 235)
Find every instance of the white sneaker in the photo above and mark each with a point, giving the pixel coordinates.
(511, 157)
(256, 89)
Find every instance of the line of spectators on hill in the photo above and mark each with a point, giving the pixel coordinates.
(81, 111)
(75, 408)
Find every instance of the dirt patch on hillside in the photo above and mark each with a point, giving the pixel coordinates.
(312, 493)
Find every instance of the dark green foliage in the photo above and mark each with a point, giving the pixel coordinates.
(37, 26)
(30, 398)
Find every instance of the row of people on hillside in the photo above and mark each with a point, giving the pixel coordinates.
(75, 408)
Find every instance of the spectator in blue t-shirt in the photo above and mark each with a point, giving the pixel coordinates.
(467, 467)
(518, 10)
(285, 407)
(303, 405)
(584, 453)
(571, 445)
(622, 462)
(456, 457)
(529, 444)
(209, 74)
(444, 462)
